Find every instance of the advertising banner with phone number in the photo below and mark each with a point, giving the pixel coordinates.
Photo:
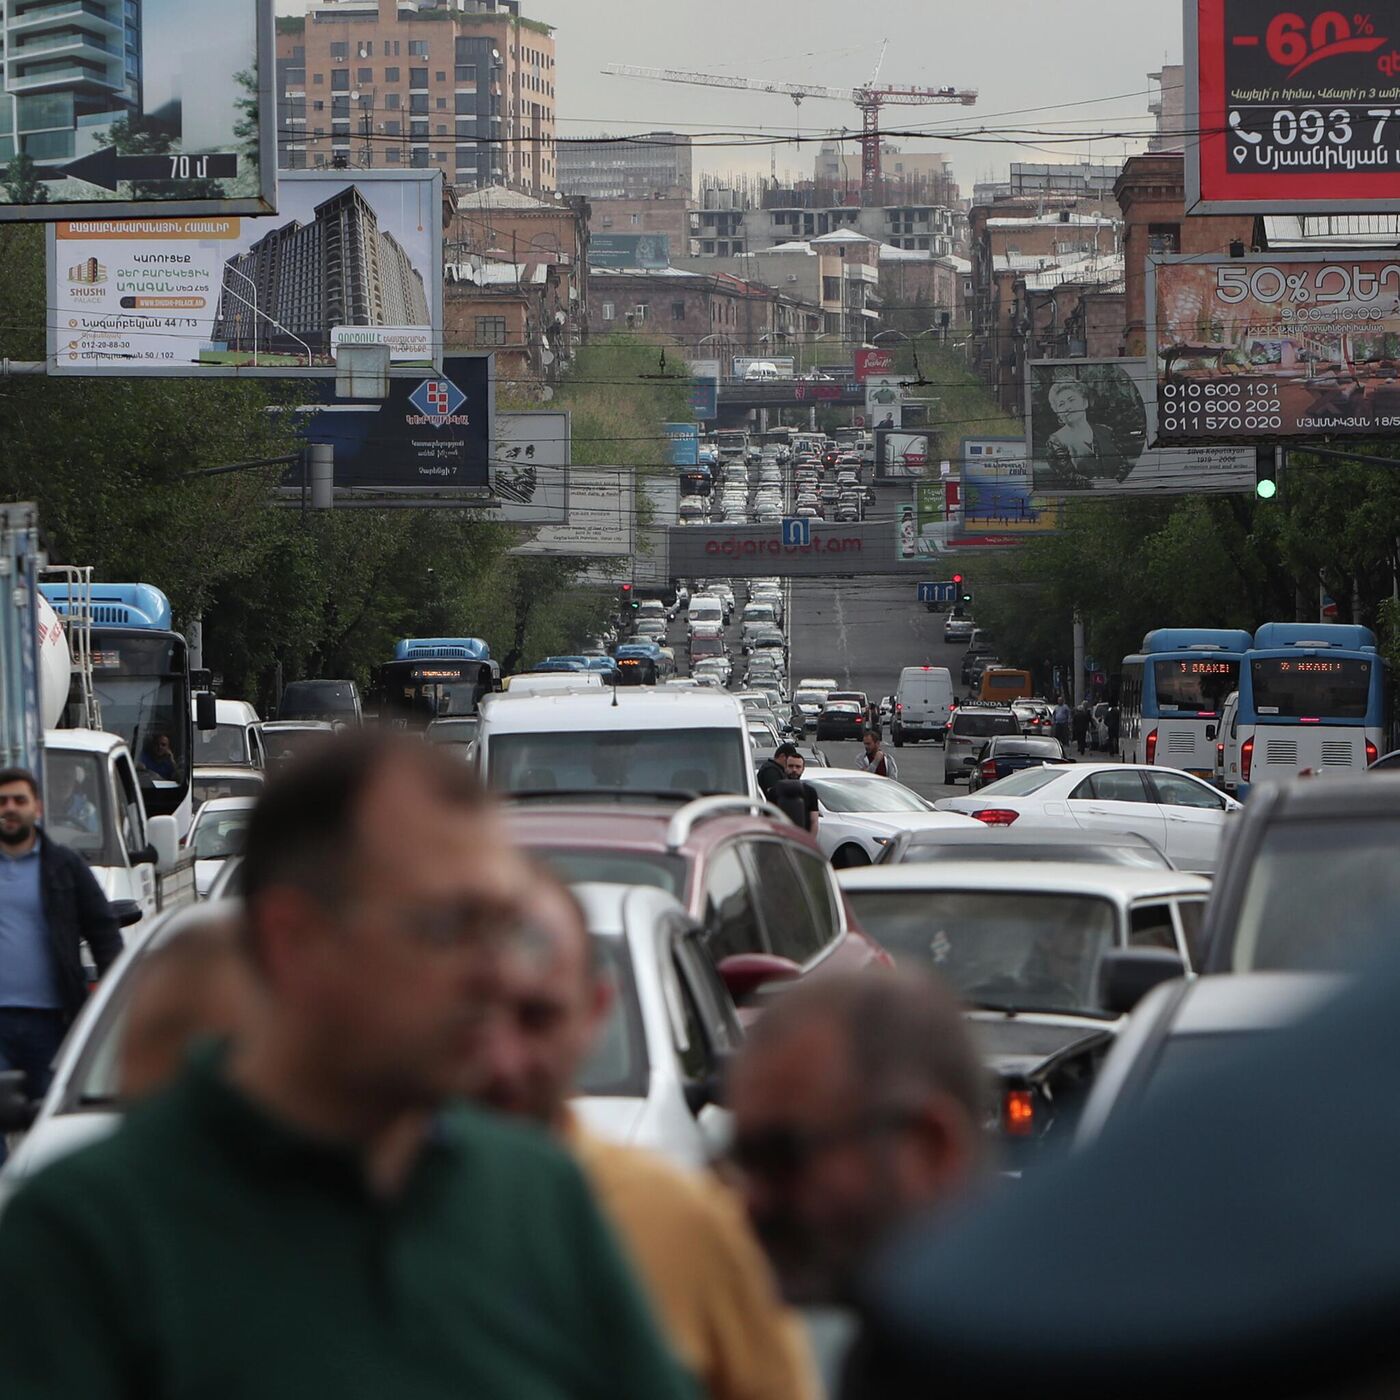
(1259, 348)
(1292, 107)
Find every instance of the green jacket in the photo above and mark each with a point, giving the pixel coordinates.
(207, 1251)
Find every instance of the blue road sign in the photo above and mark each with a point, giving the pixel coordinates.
(938, 593)
(797, 530)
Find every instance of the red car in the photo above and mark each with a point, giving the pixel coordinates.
(764, 894)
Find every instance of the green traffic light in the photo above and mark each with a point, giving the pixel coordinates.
(1266, 490)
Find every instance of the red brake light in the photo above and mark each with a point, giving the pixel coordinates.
(1308, 719)
(898, 706)
(1372, 753)
(1246, 758)
(1152, 747)
(995, 816)
(989, 769)
(1220, 751)
(1018, 1112)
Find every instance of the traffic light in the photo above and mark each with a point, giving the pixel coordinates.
(1266, 473)
(629, 598)
(964, 596)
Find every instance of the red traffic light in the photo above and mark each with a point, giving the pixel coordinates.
(957, 578)
(626, 587)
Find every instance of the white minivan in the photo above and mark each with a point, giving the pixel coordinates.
(631, 740)
(705, 607)
(923, 703)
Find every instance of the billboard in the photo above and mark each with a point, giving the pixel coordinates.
(529, 467)
(662, 493)
(1089, 424)
(431, 434)
(996, 505)
(884, 400)
(1290, 107)
(139, 109)
(1264, 347)
(600, 517)
(900, 455)
(924, 523)
(873, 363)
(630, 252)
(682, 444)
(349, 256)
(786, 365)
(704, 395)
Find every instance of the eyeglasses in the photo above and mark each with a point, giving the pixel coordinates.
(782, 1153)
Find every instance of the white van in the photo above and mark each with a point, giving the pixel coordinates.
(1227, 746)
(762, 370)
(923, 703)
(234, 742)
(635, 739)
(546, 683)
(705, 607)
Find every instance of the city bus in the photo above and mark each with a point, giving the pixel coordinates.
(434, 678)
(1171, 694)
(1313, 698)
(142, 685)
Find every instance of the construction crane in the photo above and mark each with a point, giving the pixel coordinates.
(869, 98)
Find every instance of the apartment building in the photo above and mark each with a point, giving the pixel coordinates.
(642, 166)
(465, 87)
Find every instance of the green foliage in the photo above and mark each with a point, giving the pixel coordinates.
(291, 24)
(22, 182)
(132, 137)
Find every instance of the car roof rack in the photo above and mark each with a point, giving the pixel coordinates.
(703, 809)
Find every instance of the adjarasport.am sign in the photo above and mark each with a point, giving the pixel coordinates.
(748, 551)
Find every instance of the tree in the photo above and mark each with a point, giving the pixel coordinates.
(22, 182)
(132, 136)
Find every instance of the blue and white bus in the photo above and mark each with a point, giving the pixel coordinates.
(1313, 699)
(1171, 694)
(434, 678)
(141, 679)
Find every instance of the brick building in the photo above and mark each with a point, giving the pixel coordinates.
(466, 88)
(1151, 191)
(663, 214)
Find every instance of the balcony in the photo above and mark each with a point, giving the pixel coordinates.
(78, 45)
(40, 17)
(63, 76)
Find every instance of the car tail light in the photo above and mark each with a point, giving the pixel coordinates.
(899, 707)
(1220, 752)
(989, 771)
(995, 816)
(1246, 758)
(1372, 753)
(1152, 747)
(1018, 1112)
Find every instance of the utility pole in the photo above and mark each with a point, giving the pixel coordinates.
(321, 470)
(1077, 681)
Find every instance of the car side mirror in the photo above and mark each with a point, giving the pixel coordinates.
(1210, 731)
(16, 1112)
(206, 711)
(164, 836)
(746, 973)
(1126, 975)
(126, 912)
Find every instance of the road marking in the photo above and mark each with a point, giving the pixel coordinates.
(841, 639)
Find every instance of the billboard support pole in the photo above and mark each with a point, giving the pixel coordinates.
(1078, 684)
(9, 368)
(321, 461)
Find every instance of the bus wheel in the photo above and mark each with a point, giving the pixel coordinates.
(848, 857)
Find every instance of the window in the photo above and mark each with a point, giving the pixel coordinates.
(1164, 238)
(364, 75)
(440, 156)
(296, 77)
(418, 130)
(440, 129)
(318, 80)
(392, 101)
(391, 46)
(831, 289)
(1182, 792)
(636, 219)
(1150, 926)
(296, 160)
(815, 875)
(440, 76)
(1192, 914)
(340, 80)
(339, 50)
(1111, 787)
(318, 105)
(418, 48)
(465, 73)
(418, 102)
(731, 923)
(466, 104)
(780, 893)
(392, 155)
(678, 311)
(609, 311)
(365, 48)
(393, 128)
(442, 104)
(391, 75)
(418, 77)
(340, 106)
(419, 159)
(490, 330)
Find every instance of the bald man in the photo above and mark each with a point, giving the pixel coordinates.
(685, 1234)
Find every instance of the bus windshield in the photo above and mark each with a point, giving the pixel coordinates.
(1330, 687)
(1195, 684)
(417, 692)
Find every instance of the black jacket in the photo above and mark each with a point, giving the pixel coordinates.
(76, 912)
(770, 773)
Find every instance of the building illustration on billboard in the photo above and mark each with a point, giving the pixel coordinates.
(122, 102)
(300, 280)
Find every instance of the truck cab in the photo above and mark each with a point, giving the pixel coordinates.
(93, 805)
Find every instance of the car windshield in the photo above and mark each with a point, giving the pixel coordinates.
(225, 746)
(1004, 950)
(968, 725)
(652, 868)
(206, 787)
(866, 795)
(282, 744)
(809, 697)
(218, 835)
(1021, 784)
(683, 760)
(76, 806)
(1136, 857)
(1302, 875)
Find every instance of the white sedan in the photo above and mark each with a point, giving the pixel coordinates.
(859, 814)
(1182, 816)
(216, 835)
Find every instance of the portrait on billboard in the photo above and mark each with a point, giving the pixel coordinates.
(1090, 426)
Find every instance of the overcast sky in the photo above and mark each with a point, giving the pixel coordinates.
(1018, 54)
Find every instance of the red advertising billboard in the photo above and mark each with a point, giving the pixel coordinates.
(1292, 107)
(873, 362)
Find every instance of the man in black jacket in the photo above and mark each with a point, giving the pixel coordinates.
(774, 771)
(49, 905)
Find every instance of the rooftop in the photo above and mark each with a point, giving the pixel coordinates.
(499, 197)
(1069, 219)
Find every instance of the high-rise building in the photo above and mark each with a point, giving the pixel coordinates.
(298, 281)
(654, 163)
(71, 69)
(462, 86)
